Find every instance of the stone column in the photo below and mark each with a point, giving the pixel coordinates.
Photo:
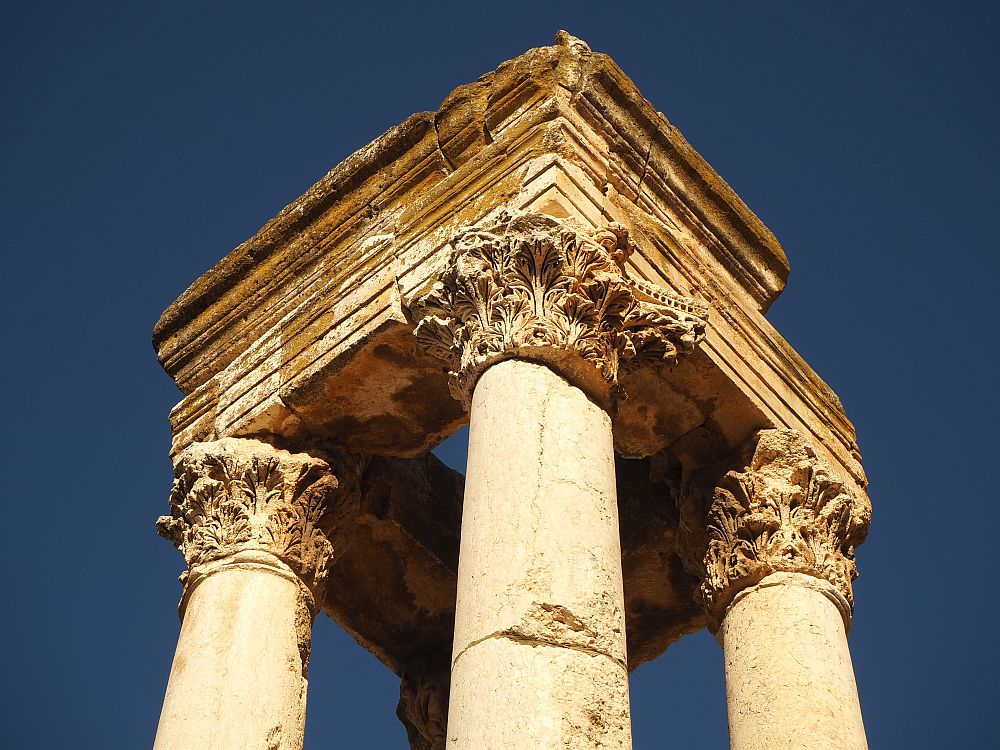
(250, 520)
(536, 319)
(779, 565)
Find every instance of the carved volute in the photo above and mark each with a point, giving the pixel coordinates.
(528, 286)
(235, 495)
(786, 511)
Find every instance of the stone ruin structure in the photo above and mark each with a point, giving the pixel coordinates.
(546, 259)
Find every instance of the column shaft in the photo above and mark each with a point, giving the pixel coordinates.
(779, 561)
(539, 657)
(238, 678)
(253, 523)
(789, 678)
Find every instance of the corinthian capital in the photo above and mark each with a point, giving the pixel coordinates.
(786, 512)
(234, 495)
(528, 286)
(423, 707)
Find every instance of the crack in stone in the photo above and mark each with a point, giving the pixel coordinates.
(525, 640)
(642, 177)
(543, 414)
(585, 486)
(437, 141)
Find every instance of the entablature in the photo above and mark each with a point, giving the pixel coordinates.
(305, 327)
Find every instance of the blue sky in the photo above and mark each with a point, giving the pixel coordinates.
(144, 141)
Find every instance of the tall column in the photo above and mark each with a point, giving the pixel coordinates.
(250, 522)
(779, 565)
(536, 320)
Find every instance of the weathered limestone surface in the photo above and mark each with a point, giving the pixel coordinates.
(323, 343)
(777, 553)
(580, 278)
(538, 320)
(392, 586)
(784, 511)
(660, 593)
(423, 704)
(255, 526)
(407, 536)
(306, 330)
(239, 676)
(524, 285)
(408, 539)
(540, 627)
(789, 677)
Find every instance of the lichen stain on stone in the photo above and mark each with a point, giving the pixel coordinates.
(273, 739)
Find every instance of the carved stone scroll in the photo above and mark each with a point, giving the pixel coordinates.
(786, 512)
(236, 495)
(526, 285)
(423, 707)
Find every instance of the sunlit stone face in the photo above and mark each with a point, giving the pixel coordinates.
(547, 259)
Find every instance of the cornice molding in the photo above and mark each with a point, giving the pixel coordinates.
(564, 82)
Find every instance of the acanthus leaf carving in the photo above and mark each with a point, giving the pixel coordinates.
(787, 512)
(235, 494)
(525, 284)
(423, 706)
